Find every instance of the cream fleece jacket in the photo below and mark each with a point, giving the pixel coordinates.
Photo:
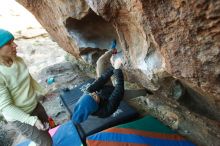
(18, 92)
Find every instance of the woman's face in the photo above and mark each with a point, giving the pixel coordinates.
(8, 50)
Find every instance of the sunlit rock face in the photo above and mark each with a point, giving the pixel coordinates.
(160, 38)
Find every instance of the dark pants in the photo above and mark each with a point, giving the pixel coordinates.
(41, 138)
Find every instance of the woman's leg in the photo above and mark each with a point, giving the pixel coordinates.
(40, 112)
(41, 138)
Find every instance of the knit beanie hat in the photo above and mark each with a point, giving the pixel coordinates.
(85, 106)
(5, 37)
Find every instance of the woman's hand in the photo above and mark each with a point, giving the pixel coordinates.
(40, 126)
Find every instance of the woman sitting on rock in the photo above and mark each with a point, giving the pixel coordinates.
(19, 92)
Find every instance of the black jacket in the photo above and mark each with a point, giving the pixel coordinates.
(110, 97)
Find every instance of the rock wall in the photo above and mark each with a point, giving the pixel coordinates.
(159, 39)
(179, 37)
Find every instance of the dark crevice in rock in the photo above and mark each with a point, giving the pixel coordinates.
(91, 55)
(191, 99)
(91, 31)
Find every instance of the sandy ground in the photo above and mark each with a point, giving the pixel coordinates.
(43, 57)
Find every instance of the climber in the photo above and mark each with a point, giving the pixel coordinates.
(97, 100)
(19, 93)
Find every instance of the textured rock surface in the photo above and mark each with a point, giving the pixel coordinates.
(184, 34)
(186, 123)
(178, 38)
